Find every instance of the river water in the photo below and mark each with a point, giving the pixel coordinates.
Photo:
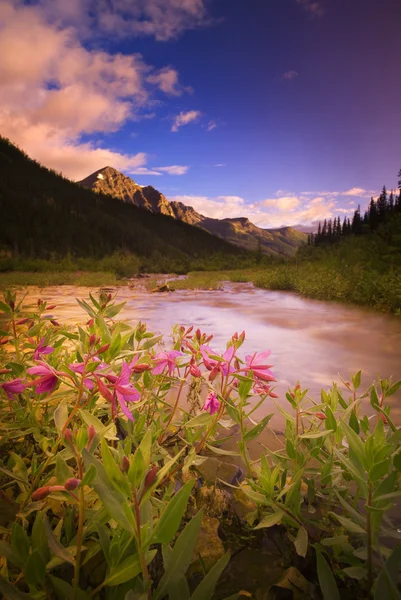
(311, 341)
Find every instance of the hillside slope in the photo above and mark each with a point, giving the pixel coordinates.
(44, 215)
(239, 231)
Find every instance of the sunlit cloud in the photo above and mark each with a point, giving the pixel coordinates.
(211, 125)
(184, 118)
(54, 90)
(174, 169)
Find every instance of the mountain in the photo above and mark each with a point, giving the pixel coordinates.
(113, 183)
(44, 215)
(239, 231)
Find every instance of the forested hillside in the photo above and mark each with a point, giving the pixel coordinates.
(44, 215)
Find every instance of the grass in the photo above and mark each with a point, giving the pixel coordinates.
(85, 279)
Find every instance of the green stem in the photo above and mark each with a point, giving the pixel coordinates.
(142, 559)
(369, 539)
(16, 342)
(80, 532)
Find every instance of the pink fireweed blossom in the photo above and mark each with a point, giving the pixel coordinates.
(48, 380)
(212, 403)
(123, 390)
(217, 366)
(12, 388)
(257, 364)
(42, 349)
(80, 368)
(166, 360)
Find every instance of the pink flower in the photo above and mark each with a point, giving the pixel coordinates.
(166, 360)
(42, 349)
(80, 368)
(124, 391)
(212, 403)
(48, 380)
(217, 366)
(14, 387)
(256, 363)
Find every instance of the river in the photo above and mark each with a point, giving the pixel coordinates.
(311, 341)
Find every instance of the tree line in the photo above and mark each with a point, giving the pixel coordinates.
(378, 212)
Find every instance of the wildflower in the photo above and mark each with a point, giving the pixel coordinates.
(217, 366)
(124, 391)
(195, 370)
(14, 387)
(48, 380)
(212, 403)
(166, 360)
(256, 363)
(42, 349)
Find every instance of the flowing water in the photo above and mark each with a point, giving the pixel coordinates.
(310, 341)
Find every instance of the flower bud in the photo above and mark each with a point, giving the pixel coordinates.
(92, 339)
(109, 297)
(4, 371)
(198, 334)
(103, 348)
(71, 484)
(273, 395)
(182, 329)
(90, 323)
(40, 302)
(140, 368)
(11, 304)
(55, 323)
(195, 371)
(125, 464)
(321, 416)
(68, 437)
(213, 373)
(41, 493)
(150, 477)
(91, 435)
(189, 330)
(242, 337)
(52, 307)
(22, 321)
(4, 341)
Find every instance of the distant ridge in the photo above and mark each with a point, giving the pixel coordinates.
(239, 231)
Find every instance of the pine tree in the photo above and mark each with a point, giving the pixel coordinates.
(356, 221)
(382, 205)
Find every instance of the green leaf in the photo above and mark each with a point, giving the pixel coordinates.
(270, 520)
(63, 471)
(354, 423)
(35, 569)
(108, 431)
(257, 430)
(356, 380)
(64, 591)
(152, 342)
(12, 593)
(327, 582)
(181, 556)
(113, 500)
(20, 542)
(244, 388)
(379, 470)
(136, 471)
(356, 572)
(330, 421)
(128, 569)
(61, 414)
(169, 522)
(11, 555)
(221, 451)
(5, 308)
(348, 524)
(301, 542)
(56, 548)
(386, 586)
(201, 420)
(393, 389)
(205, 589)
(114, 474)
(314, 435)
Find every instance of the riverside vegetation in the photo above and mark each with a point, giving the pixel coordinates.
(104, 432)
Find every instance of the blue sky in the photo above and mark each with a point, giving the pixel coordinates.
(285, 111)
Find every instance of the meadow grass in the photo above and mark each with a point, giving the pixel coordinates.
(85, 279)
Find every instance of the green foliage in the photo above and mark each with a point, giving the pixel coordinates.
(99, 453)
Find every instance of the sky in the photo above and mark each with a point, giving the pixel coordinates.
(282, 111)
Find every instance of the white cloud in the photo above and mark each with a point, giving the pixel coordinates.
(54, 89)
(284, 203)
(174, 169)
(357, 191)
(211, 125)
(220, 165)
(184, 118)
(289, 75)
(286, 209)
